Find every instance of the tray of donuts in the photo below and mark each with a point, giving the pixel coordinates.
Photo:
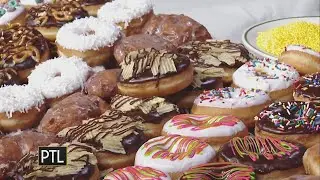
(136, 95)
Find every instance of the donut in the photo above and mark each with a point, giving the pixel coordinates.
(291, 121)
(223, 170)
(214, 59)
(81, 164)
(174, 154)
(311, 160)
(215, 130)
(307, 89)
(270, 158)
(31, 3)
(71, 111)
(242, 103)
(116, 138)
(177, 29)
(302, 177)
(92, 40)
(139, 41)
(149, 72)
(154, 111)
(8, 76)
(90, 6)
(59, 77)
(129, 15)
(11, 12)
(137, 172)
(21, 107)
(48, 18)
(21, 49)
(304, 59)
(268, 75)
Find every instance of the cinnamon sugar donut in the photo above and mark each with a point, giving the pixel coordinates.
(149, 72)
(311, 160)
(91, 6)
(48, 18)
(21, 107)
(21, 49)
(177, 29)
(305, 60)
(307, 89)
(11, 12)
(268, 75)
(129, 15)
(92, 40)
(8, 76)
(215, 130)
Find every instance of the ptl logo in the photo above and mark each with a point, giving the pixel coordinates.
(52, 155)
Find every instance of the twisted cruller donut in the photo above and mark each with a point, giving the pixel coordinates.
(11, 12)
(174, 154)
(307, 89)
(22, 48)
(215, 130)
(92, 40)
(268, 75)
(91, 6)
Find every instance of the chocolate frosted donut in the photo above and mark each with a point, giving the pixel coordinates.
(308, 88)
(177, 29)
(91, 6)
(21, 49)
(266, 155)
(8, 76)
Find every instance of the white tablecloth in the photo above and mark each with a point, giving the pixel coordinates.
(227, 19)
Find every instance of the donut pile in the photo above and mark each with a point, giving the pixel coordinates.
(135, 95)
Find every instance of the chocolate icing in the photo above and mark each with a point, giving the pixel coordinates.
(263, 154)
(309, 87)
(87, 2)
(8, 76)
(290, 118)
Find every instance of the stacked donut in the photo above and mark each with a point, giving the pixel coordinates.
(137, 95)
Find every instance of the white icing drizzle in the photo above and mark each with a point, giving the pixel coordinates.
(267, 75)
(87, 34)
(60, 76)
(302, 49)
(10, 16)
(34, 2)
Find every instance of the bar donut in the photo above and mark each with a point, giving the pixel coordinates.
(291, 121)
(307, 89)
(269, 75)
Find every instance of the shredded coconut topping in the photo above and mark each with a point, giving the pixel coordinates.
(87, 34)
(19, 99)
(59, 76)
(124, 10)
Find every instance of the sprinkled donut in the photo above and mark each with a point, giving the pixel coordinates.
(137, 172)
(11, 11)
(268, 75)
(216, 130)
(239, 102)
(174, 154)
(292, 121)
(129, 15)
(308, 88)
(59, 77)
(92, 40)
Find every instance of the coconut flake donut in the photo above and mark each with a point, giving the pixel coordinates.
(305, 60)
(59, 77)
(21, 107)
(92, 40)
(137, 172)
(129, 15)
(215, 130)
(174, 154)
(11, 12)
(239, 102)
(268, 75)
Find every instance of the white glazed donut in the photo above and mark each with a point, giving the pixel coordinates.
(174, 154)
(60, 76)
(303, 49)
(35, 2)
(10, 12)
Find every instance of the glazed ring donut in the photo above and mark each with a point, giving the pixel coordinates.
(21, 49)
(90, 6)
(137, 172)
(307, 89)
(291, 121)
(149, 72)
(92, 40)
(11, 12)
(305, 60)
(129, 15)
(174, 154)
(21, 107)
(59, 77)
(311, 160)
(239, 102)
(268, 75)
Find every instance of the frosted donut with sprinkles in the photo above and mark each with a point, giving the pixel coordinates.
(307, 88)
(268, 75)
(239, 102)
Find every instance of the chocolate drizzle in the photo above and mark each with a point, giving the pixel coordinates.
(87, 2)
(263, 154)
(309, 87)
(8, 76)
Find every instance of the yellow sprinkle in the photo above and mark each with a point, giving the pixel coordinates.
(302, 33)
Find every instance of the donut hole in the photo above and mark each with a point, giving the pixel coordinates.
(57, 74)
(86, 32)
(263, 73)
